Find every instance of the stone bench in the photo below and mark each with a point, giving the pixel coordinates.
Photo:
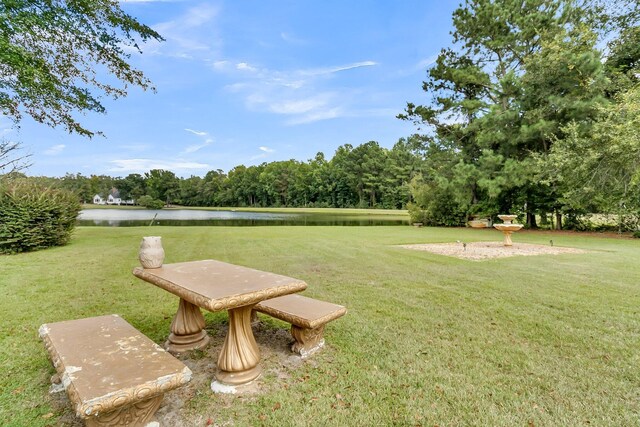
(113, 374)
(307, 316)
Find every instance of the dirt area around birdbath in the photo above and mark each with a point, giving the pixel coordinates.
(478, 251)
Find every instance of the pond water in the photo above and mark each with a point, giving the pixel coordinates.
(140, 217)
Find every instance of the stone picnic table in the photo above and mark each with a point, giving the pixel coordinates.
(216, 286)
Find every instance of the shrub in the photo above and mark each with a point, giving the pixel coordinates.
(150, 203)
(34, 216)
(435, 204)
(578, 222)
(439, 210)
(636, 234)
(416, 214)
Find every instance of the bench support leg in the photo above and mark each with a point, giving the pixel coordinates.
(138, 414)
(254, 317)
(307, 340)
(187, 329)
(239, 358)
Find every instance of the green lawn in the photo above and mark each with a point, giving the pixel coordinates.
(428, 340)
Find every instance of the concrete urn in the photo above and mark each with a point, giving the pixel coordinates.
(151, 253)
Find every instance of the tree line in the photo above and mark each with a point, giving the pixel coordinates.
(365, 176)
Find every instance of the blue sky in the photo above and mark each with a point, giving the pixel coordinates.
(246, 82)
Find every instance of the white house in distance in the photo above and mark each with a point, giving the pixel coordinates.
(112, 199)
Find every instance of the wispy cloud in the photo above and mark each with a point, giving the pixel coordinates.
(196, 132)
(196, 147)
(316, 116)
(301, 106)
(420, 66)
(145, 165)
(201, 134)
(266, 151)
(54, 150)
(243, 66)
(183, 35)
(296, 94)
(331, 70)
(220, 65)
(427, 62)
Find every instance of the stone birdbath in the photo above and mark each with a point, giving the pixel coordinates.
(479, 223)
(507, 228)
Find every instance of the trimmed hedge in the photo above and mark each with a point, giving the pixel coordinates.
(33, 216)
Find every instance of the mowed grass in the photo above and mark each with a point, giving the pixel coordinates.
(428, 340)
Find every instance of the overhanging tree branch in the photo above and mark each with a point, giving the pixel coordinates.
(50, 51)
(10, 159)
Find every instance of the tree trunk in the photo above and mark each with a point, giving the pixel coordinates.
(531, 221)
(543, 219)
(474, 195)
(558, 220)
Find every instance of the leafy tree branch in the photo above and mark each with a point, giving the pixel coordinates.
(56, 55)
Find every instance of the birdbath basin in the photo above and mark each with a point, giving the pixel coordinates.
(507, 228)
(507, 218)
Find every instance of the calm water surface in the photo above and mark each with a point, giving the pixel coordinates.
(135, 218)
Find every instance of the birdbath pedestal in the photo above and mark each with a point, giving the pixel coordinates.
(507, 228)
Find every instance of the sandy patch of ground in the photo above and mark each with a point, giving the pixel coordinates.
(277, 361)
(477, 251)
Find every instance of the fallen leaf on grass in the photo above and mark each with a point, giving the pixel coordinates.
(277, 406)
(47, 416)
(304, 378)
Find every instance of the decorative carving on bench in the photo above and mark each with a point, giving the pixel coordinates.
(307, 316)
(113, 374)
(307, 340)
(140, 413)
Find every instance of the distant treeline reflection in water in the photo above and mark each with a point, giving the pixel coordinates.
(188, 217)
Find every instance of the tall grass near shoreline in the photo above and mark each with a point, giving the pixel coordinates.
(428, 340)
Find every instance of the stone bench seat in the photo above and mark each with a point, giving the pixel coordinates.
(307, 316)
(113, 374)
